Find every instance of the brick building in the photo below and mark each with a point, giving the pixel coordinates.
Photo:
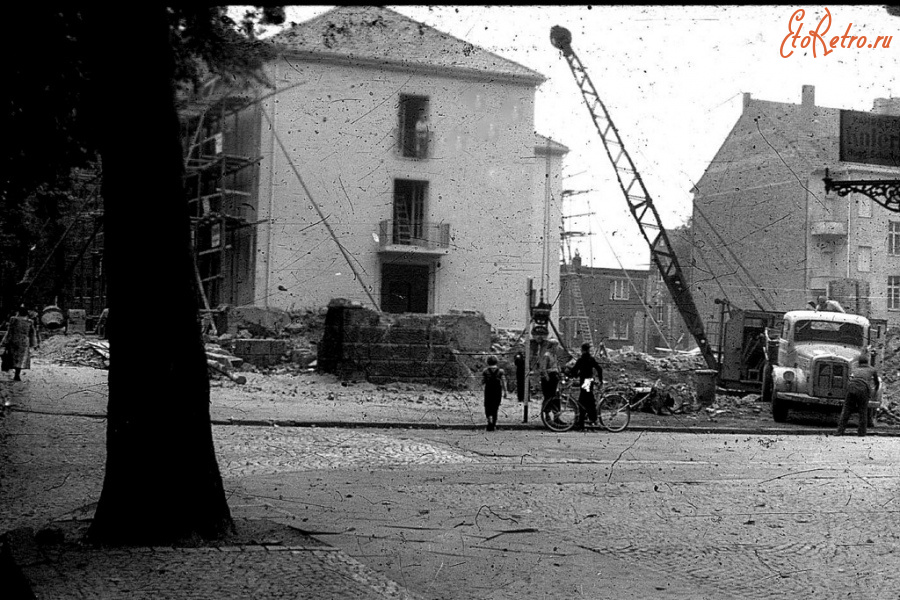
(612, 300)
(766, 235)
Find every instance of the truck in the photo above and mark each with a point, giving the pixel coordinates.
(807, 363)
(808, 360)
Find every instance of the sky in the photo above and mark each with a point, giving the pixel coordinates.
(672, 79)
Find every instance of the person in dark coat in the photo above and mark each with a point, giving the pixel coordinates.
(584, 369)
(519, 361)
(864, 382)
(494, 381)
(20, 338)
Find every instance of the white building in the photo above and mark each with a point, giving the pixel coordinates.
(449, 214)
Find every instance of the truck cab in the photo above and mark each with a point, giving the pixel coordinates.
(808, 364)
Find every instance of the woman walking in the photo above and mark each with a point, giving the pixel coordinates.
(20, 338)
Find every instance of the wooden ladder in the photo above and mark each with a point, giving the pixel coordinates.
(581, 316)
(401, 228)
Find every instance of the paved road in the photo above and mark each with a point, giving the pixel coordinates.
(458, 513)
(630, 515)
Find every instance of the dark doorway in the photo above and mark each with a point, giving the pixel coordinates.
(404, 288)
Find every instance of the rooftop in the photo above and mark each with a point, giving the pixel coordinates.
(380, 36)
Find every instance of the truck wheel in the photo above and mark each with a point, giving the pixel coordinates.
(779, 410)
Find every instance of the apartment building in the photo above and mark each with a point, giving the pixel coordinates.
(612, 306)
(398, 167)
(766, 233)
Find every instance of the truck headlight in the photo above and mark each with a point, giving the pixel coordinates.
(789, 376)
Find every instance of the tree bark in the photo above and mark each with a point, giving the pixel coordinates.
(162, 482)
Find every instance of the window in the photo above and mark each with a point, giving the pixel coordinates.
(864, 259)
(618, 289)
(893, 292)
(894, 238)
(864, 206)
(660, 314)
(415, 134)
(618, 329)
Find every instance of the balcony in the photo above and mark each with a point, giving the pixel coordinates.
(416, 237)
(829, 229)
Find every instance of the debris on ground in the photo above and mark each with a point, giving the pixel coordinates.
(73, 349)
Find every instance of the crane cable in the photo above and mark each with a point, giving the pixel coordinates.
(637, 291)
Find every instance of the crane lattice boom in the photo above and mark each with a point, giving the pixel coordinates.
(639, 201)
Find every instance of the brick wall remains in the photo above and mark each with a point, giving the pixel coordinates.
(416, 348)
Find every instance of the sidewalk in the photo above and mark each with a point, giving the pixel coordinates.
(310, 400)
(57, 415)
(266, 560)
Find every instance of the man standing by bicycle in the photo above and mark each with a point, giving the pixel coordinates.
(584, 369)
(549, 369)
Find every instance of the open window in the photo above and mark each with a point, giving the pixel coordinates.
(414, 132)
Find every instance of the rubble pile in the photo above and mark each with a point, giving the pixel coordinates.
(890, 378)
(674, 374)
(72, 349)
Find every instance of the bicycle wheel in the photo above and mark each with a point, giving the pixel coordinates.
(614, 412)
(563, 417)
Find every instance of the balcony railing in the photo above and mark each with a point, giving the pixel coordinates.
(829, 229)
(398, 235)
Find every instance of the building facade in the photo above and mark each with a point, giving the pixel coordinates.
(767, 235)
(613, 301)
(399, 168)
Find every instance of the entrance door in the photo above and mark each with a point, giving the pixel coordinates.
(404, 288)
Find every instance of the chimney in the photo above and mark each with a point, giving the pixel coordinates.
(808, 101)
(887, 106)
(746, 100)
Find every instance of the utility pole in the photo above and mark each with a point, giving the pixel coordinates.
(529, 299)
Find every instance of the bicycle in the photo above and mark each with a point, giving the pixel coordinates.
(561, 412)
(614, 406)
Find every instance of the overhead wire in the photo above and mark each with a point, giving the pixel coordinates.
(640, 296)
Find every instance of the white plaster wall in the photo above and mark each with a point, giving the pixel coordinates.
(339, 124)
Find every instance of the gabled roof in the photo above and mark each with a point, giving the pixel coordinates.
(772, 133)
(383, 37)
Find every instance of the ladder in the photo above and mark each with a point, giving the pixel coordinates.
(402, 234)
(581, 317)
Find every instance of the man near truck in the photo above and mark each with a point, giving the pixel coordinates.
(863, 383)
(826, 304)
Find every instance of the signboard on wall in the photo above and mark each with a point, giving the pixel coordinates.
(869, 138)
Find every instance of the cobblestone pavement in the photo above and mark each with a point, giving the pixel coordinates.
(457, 513)
(634, 515)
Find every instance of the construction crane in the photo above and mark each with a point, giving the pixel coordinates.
(639, 201)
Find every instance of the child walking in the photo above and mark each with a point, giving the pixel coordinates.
(494, 381)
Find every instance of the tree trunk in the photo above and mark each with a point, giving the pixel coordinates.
(162, 481)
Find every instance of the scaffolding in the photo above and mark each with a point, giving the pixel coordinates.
(219, 180)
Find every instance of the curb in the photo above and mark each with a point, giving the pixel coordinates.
(697, 429)
(538, 427)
